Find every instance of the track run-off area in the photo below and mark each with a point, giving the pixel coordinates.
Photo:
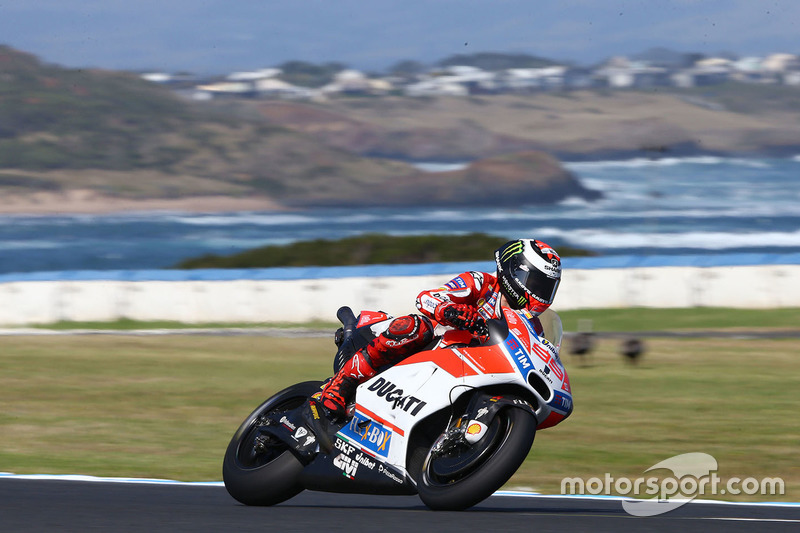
(82, 503)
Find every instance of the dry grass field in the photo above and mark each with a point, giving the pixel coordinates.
(584, 121)
(166, 406)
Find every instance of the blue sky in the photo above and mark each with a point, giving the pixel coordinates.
(215, 36)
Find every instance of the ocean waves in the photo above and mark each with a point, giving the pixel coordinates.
(669, 205)
(610, 240)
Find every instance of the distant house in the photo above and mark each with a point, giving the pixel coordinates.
(701, 76)
(751, 70)
(354, 82)
(228, 88)
(475, 80)
(781, 62)
(435, 87)
(622, 73)
(275, 88)
(157, 77)
(253, 75)
(525, 79)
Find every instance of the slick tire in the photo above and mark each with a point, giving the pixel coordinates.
(485, 469)
(271, 477)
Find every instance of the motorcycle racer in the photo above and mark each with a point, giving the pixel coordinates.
(527, 277)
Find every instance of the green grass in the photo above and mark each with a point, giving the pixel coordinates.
(166, 406)
(734, 399)
(128, 325)
(695, 318)
(632, 319)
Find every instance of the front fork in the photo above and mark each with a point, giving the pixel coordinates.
(472, 426)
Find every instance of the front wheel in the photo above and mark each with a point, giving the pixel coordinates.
(458, 476)
(260, 470)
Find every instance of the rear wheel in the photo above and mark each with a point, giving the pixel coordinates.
(456, 475)
(258, 469)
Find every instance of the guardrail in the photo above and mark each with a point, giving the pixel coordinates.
(315, 293)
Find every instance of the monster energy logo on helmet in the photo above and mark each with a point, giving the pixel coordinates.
(513, 249)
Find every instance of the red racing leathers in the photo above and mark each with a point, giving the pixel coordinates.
(475, 293)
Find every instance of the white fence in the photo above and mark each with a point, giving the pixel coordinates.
(178, 297)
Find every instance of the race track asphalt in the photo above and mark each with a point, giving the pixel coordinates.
(67, 506)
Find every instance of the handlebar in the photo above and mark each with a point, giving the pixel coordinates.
(348, 320)
(478, 328)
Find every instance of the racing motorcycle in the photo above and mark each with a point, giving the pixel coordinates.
(451, 423)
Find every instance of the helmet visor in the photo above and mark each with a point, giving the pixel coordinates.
(536, 282)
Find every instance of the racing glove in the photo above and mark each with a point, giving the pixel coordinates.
(459, 316)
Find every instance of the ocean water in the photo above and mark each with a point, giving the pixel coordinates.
(666, 206)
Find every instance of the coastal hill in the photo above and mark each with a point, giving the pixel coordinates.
(73, 140)
(95, 140)
(729, 119)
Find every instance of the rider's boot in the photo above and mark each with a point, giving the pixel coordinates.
(340, 390)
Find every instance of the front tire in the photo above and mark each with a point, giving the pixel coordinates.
(457, 479)
(258, 474)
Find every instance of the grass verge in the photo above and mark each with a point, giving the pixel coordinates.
(630, 319)
(166, 406)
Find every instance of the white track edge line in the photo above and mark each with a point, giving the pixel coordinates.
(505, 493)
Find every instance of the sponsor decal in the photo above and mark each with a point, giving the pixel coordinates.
(347, 465)
(391, 475)
(369, 434)
(482, 412)
(456, 283)
(303, 432)
(511, 251)
(519, 355)
(561, 401)
(314, 411)
(370, 317)
(511, 292)
(474, 432)
(391, 393)
(428, 303)
(344, 447)
(286, 423)
(511, 317)
(492, 299)
(554, 267)
(365, 460)
(394, 343)
(551, 361)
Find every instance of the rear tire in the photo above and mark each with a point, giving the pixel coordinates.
(270, 476)
(460, 479)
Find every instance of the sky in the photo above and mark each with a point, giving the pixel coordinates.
(218, 36)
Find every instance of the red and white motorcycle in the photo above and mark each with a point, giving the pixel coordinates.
(452, 423)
